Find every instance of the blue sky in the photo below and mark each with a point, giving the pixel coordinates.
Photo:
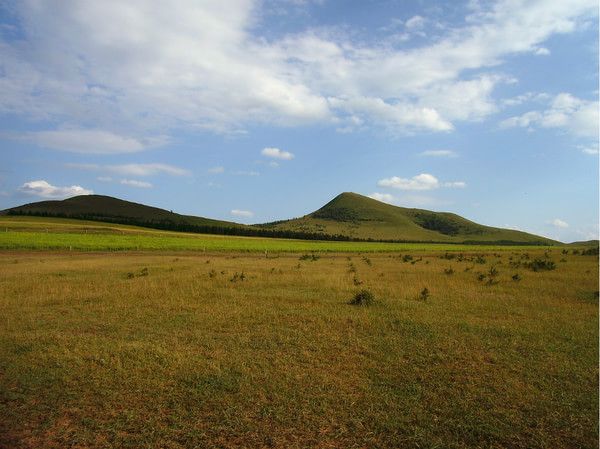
(255, 111)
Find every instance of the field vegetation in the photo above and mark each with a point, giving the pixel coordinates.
(412, 348)
(44, 233)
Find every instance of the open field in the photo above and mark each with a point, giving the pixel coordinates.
(177, 350)
(37, 233)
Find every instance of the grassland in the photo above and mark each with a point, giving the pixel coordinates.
(234, 349)
(38, 233)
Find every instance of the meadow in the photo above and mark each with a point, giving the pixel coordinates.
(37, 233)
(472, 348)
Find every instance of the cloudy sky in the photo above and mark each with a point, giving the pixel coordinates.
(253, 111)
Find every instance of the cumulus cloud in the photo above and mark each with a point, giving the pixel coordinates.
(136, 183)
(134, 169)
(203, 66)
(242, 213)
(542, 51)
(91, 141)
(424, 181)
(557, 222)
(44, 189)
(439, 153)
(565, 111)
(216, 170)
(383, 197)
(276, 153)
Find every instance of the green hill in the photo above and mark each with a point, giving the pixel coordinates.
(348, 216)
(109, 209)
(361, 217)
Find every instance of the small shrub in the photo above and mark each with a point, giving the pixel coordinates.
(493, 272)
(212, 274)
(238, 277)
(424, 295)
(362, 298)
(143, 272)
(357, 281)
(516, 277)
(310, 257)
(541, 265)
(351, 268)
(480, 277)
(407, 258)
(448, 271)
(589, 252)
(130, 275)
(480, 260)
(367, 261)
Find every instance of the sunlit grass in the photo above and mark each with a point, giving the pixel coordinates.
(182, 353)
(38, 233)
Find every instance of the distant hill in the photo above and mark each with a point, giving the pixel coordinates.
(362, 217)
(586, 243)
(349, 216)
(109, 209)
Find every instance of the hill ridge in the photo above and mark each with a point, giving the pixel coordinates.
(348, 216)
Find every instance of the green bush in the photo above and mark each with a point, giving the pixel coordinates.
(363, 298)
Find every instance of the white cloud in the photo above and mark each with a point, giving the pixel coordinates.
(273, 164)
(277, 153)
(146, 66)
(104, 179)
(44, 189)
(439, 153)
(415, 22)
(575, 115)
(242, 213)
(591, 149)
(216, 170)
(557, 222)
(91, 141)
(424, 181)
(541, 51)
(134, 169)
(136, 183)
(383, 197)
(245, 173)
(455, 184)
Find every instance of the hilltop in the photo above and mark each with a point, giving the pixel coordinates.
(349, 216)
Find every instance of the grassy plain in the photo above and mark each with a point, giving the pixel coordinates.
(179, 349)
(224, 346)
(38, 233)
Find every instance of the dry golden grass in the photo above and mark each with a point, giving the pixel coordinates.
(175, 351)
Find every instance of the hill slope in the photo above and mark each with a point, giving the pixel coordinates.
(361, 217)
